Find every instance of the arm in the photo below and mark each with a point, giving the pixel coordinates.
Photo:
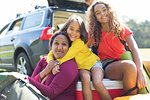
(45, 73)
(141, 80)
(89, 43)
(55, 70)
(75, 48)
(40, 66)
(43, 69)
(68, 74)
(50, 56)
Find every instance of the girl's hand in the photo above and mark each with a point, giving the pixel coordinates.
(51, 65)
(48, 68)
(141, 79)
(55, 70)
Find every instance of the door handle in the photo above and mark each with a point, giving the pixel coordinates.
(12, 39)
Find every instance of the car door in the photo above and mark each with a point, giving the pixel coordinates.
(7, 43)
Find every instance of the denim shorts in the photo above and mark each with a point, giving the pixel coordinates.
(98, 64)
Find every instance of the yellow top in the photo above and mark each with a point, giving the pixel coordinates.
(84, 57)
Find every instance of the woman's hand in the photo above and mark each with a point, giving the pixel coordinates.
(49, 68)
(51, 65)
(141, 79)
(55, 70)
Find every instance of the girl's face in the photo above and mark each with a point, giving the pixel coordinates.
(60, 46)
(101, 13)
(74, 30)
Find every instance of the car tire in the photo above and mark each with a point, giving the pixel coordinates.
(23, 65)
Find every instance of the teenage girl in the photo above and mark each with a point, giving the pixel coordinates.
(105, 30)
(88, 63)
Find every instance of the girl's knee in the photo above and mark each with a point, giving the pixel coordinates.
(97, 83)
(85, 77)
(130, 68)
(130, 65)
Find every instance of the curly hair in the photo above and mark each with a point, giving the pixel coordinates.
(95, 27)
(83, 32)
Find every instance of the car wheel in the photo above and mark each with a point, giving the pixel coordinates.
(23, 64)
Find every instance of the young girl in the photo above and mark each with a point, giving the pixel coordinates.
(86, 60)
(106, 30)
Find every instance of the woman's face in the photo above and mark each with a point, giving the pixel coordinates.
(101, 13)
(74, 30)
(60, 46)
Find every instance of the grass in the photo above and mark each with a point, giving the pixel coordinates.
(3, 70)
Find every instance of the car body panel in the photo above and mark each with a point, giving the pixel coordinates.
(28, 40)
(23, 33)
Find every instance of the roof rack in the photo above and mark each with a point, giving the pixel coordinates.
(39, 7)
(18, 15)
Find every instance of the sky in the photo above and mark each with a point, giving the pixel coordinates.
(136, 9)
(9, 8)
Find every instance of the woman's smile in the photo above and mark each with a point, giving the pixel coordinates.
(60, 46)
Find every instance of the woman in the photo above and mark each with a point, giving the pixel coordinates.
(106, 31)
(61, 86)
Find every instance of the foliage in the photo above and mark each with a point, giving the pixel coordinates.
(141, 32)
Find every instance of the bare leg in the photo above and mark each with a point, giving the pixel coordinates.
(86, 85)
(97, 77)
(124, 70)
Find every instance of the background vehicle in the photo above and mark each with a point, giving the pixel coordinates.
(24, 40)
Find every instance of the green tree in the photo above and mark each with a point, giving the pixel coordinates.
(141, 32)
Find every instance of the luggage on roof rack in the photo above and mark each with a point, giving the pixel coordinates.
(69, 4)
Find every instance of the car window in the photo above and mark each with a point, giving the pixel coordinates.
(16, 25)
(3, 31)
(33, 20)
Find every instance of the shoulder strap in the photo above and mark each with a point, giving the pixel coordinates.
(130, 90)
(124, 43)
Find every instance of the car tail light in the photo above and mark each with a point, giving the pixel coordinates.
(46, 33)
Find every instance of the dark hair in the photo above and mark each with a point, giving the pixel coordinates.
(56, 34)
(83, 32)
